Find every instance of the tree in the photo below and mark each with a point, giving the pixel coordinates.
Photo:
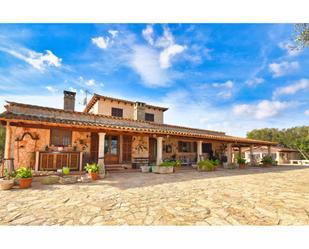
(295, 137)
(301, 35)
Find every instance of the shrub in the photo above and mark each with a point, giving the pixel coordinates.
(167, 164)
(177, 163)
(92, 168)
(241, 160)
(208, 165)
(23, 172)
(267, 160)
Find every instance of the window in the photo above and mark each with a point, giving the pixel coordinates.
(149, 117)
(60, 137)
(206, 148)
(117, 112)
(187, 146)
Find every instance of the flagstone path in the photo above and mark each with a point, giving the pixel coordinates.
(254, 196)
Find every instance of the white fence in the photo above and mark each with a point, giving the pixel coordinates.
(300, 162)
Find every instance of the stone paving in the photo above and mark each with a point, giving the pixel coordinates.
(254, 196)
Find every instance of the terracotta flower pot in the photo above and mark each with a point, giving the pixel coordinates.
(242, 166)
(6, 184)
(25, 182)
(94, 176)
(267, 165)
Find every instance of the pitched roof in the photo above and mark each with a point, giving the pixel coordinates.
(24, 113)
(96, 97)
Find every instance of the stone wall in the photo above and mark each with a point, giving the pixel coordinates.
(140, 146)
(24, 150)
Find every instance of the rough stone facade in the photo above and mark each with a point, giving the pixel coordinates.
(140, 146)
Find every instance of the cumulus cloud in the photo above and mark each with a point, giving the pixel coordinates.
(306, 112)
(166, 42)
(283, 68)
(167, 54)
(226, 89)
(262, 110)
(90, 82)
(51, 89)
(113, 33)
(104, 42)
(37, 60)
(254, 81)
(148, 34)
(290, 48)
(293, 88)
(101, 42)
(145, 62)
(228, 84)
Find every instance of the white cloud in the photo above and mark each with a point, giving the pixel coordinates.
(262, 110)
(166, 42)
(291, 49)
(228, 84)
(51, 89)
(145, 62)
(167, 54)
(104, 42)
(90, 82)
(306, 112)
(148, 34)
(283, 68)
(101, 42)
(72, 89)
(37, 60)
(293, 88)
(255, 81)
(227, 87)
(113, 33)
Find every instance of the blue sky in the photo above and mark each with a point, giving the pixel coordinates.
(227, 77)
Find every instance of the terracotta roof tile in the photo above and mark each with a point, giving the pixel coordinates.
(39, 114)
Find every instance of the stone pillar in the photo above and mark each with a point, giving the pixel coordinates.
(120, 148)
(159, 150)
(199, 150)
(229, 153)
(8, 151)
(251, 156)
(269, 150)
(101, 153)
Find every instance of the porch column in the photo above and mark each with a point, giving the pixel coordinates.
(8, 151)
(199, 150)
(101, 152)
(269, 150)
(229, 153)
(251, 155)
(159, 150)
(120, 148)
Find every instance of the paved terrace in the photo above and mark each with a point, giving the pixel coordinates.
(255, 196)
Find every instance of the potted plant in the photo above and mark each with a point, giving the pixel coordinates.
(166, 168)
(241, 162)
(93, 170)
(8, 181)
(267, 161)
(207, 165)
(145, 168)
(25, 177)
(177, 165)
(66, 170)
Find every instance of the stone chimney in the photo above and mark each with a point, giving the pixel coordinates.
(139, 111)
(68, 101)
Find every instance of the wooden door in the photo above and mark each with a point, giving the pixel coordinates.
(152, 150)
(47, 162)
(126, 149)
(111, 149)
(62, 160)
(94, 148)
(74, 161)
